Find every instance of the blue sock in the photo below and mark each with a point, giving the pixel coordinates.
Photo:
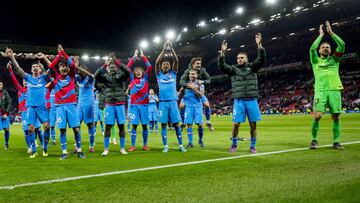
(46, 139)
(201, 134)
(32, 142)
(53, 135)
(40, 136)
(106, 143)
(182, 114)
(92, 136)
(63, 140)
(7, 137)
(156, 126)
(133, 137)
(41, 133)
(190, 134)
(145, 134)
(178, 134)
(234, 141)
(27, 138)
(164, 135)
(78, 140)
(252, 142)
(207, 113)
(122, 142)
(152, 125)
(79, 132)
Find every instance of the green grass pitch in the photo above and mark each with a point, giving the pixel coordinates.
(322, 175)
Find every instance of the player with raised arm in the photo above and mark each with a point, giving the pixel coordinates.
(138, 89)
(168, 107)
(113, 75)
(244, 85)
(328, 85)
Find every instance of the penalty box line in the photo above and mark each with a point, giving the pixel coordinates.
(11, 187)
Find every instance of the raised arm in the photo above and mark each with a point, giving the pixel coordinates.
(340, 49)
(43, 57)
(54, 63)
(13, 78)
(125, 69)
(207, 78)
(260, 59)
(315, 45)
(10, 54)
(99, 74)
(147, 63)
(69, 61)
(131, 62)
(85, 71)
(221, 60)
(158, 62)
(176, 61)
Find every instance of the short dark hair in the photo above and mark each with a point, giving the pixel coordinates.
(243, 53)
(197, 72)
(324, 43)
(138, 67)
(34, 63)
(195, 59)
(165, 59)
(62, 61)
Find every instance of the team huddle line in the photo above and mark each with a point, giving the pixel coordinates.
(49, 97)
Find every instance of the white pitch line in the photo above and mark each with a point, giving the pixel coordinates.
(290, 128)
(11, 187)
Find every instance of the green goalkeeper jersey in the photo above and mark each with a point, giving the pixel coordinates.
(326, 70)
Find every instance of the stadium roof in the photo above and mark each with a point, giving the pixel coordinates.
(104, 24)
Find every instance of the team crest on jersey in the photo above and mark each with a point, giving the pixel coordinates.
(169, 75)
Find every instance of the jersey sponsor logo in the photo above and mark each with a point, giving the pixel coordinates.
(65, 82)
(327, 65)
(167, 81)
(35, 85)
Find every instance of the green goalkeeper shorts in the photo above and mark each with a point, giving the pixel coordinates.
(327, 98)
